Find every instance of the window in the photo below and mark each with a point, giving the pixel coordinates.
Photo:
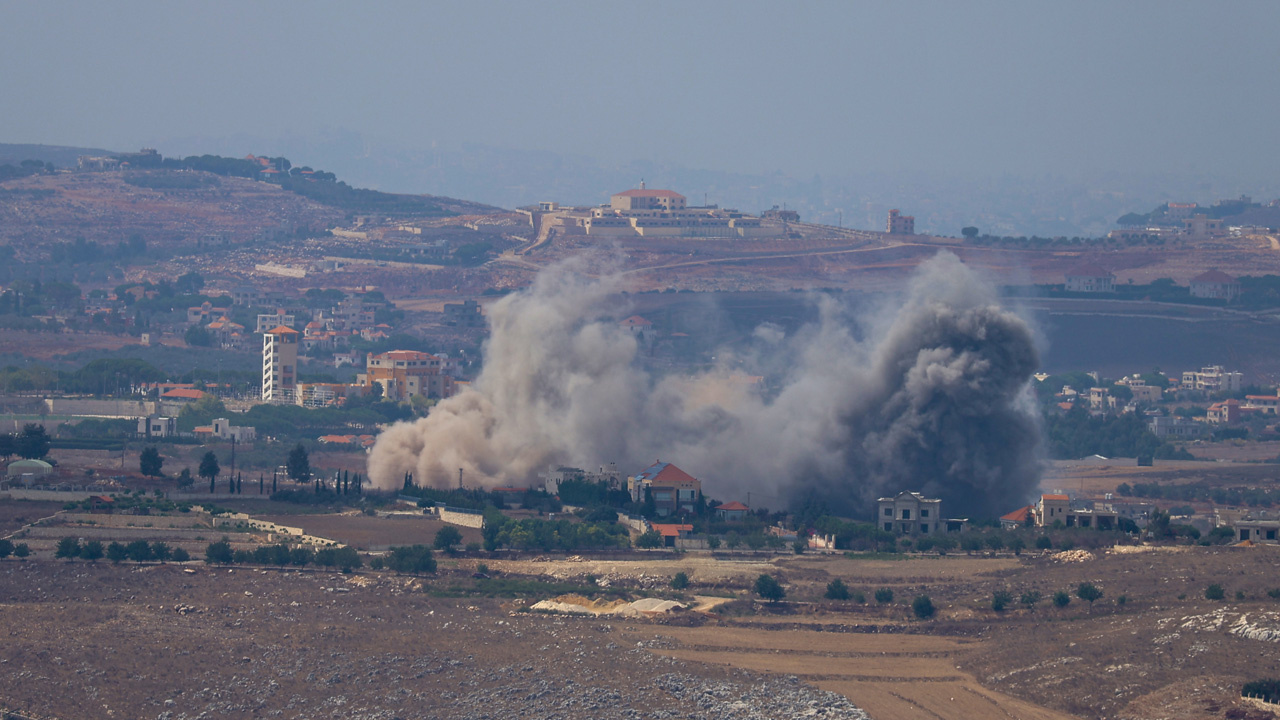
(888, 512)
(924, 528)
(888, 527)
(906, 514)
(924, 512)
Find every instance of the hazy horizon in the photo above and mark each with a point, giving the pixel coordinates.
(917, 97)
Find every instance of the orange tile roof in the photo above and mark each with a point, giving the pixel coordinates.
(1018, 516)
(183, 394)
(1054, 497)
(735, 505)
(282, 330)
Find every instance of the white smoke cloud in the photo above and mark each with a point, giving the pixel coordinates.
(933, 398)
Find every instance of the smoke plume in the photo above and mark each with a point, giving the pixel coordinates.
(930, 396)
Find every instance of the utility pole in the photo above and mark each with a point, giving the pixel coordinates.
(459, 478)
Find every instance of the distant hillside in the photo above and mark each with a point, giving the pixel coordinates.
(60, 155)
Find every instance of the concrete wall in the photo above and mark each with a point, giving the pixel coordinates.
(465, 519)
(101, 408)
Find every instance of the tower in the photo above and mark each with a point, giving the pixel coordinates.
(279, 364)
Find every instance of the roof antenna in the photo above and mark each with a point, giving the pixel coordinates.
(641, 183)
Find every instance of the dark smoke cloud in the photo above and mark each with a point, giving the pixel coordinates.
(933, 398)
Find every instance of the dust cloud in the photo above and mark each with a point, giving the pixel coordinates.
(928, 394)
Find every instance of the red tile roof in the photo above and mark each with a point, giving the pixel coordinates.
(735, 505)
(282, 330)
(1054, 497)
(635, 320)
(1213, 276)
(1019, 516)
(183, 394)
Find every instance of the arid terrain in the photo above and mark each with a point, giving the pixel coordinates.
(99, 640)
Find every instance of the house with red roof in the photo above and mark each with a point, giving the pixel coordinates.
(732, 511)
(1018, 518)
(183, 394)
(671, 489)
(671, 533)
(1215, 285)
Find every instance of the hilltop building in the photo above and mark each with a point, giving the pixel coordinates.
(279, 364)
(1212, 379)
(646, 212)
(900, 224)
(464, 314)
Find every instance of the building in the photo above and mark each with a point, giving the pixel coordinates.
(267, 322)
(156, 426)
(1212, 379)
(279, 364)
(636, 325)
(1227, 412)
(28, 470)
(653, 213)
(405, 373)
(1258, 531)
(732, 511)
(1215, 285)
(1018, 518)
(1203, 227)
(1056, 508)
(672, 490)
(672, 533)
(609, 476)
(1089, 278)
(900, 224)
(781, 215)
(1176, 427)
(464, 314)
(910, 513)
(1177, 212)
(223, 429)
(1265, 404)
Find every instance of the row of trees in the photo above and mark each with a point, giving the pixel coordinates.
(343, 558)
(137, 551)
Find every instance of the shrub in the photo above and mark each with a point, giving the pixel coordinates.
(6, 548)
(1274, 593)
(1030, 598)
(650, 539)
(413, 559)
(680, 581)
(1122, 600)
(884, 596)
(769, 588)
(1239, 596)
(161, 551)
(713, 542)
(473, 547)
(447, 537)
(482, 568)
(1044, 543)
(858, 597)
(922, 606)
(180, 555)
(21, 550)
(1061, 599)
(837, 590)
(1000, 599)
(799, 546)
(138, 550)
(1088, 592)
(376, 564)
(1214, 592)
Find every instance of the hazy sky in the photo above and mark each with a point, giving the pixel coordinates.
(817, 87)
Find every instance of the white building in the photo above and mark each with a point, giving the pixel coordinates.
(1212, 379)
(279, 364)
(1090, 278)
(223, 429)
(910, 513)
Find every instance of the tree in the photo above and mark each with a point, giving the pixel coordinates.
(189, 283)
(150, 462)
(1044, 543)
(1089, 593)
(1214, 592)
(197, 336)
(446, 538)
(837, 590)
(799, 546)
(1000, 599)
(21, 550)
(185, 479)
(8, 445)
(769, 588)
(1061, 599)
(6, 548)
(1030, 598)
(884, 596)
(650, 539)
(970, 232)
(160, 551)
(209, 468)
(218, 553)
(680, 581)
(91, 550)
(116, 553)
(922, 606)
(180, 555)
(138, 550)
(33, 441)
(298, 465)
(68, 547)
